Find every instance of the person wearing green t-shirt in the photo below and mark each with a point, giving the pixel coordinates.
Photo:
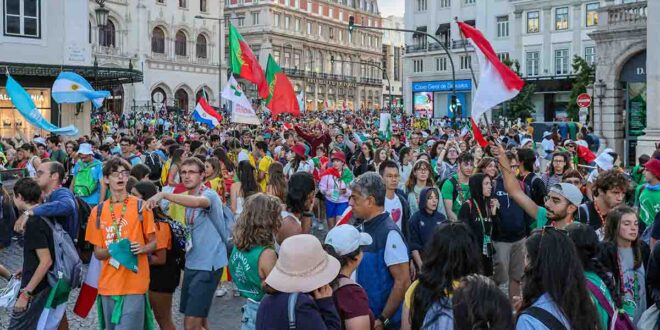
(253, 256)
(561, 202)
(455, 190)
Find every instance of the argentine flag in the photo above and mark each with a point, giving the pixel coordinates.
(70, 87)
(205, 114)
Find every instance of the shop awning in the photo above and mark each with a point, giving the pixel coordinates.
(442, 28)
(94, 74)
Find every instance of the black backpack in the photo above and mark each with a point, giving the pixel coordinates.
(85, 249)
(155, 166)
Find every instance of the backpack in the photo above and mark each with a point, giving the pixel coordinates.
(618, 321)
(85, 249)
(85, 184)
(178, 252)
(67, 264)
(154, 164)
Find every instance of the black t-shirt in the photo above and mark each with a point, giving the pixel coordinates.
(37, 236)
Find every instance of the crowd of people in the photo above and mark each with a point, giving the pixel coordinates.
(325, 222)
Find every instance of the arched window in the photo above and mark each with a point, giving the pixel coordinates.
(181, 98)
(158, 41)
(201, 46)
(107, 35)
(180, 44)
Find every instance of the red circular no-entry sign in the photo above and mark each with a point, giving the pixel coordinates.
(583, 100)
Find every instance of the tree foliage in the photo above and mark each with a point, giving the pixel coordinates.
(584, 76)
(520, 106)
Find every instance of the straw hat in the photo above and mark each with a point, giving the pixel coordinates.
(302, 266)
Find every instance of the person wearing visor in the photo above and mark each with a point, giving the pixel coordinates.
(561, 202)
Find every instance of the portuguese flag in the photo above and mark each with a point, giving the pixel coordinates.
(244, 63)
(282, 98)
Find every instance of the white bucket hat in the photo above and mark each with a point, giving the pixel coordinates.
(302, 266)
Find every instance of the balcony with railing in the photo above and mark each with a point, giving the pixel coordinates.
(624, 16)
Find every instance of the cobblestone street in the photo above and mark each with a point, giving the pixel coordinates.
(225, 312)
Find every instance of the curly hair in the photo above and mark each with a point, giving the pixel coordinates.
(609, 180)
(258, 223)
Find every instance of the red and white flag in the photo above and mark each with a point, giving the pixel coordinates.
(497, 82)
(345, 217)
(89, 289)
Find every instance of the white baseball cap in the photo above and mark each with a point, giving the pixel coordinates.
(85, 149)
(346, 239)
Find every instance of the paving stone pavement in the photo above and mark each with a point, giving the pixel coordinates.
(225, 312)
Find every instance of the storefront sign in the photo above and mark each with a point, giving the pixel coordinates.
(441, 86)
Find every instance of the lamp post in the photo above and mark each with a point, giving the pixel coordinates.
(102, 14)
(352, 26)
(221, 36)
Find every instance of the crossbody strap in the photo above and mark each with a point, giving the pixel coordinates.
(291, 310)
(545, 317)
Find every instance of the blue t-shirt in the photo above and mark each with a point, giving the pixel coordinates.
(97, 173)
(209, 252)
(527, 322)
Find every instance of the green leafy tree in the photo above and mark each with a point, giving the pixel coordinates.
(584, 76)
(520, 106)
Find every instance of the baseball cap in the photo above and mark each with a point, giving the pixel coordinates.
(568, 191)
(346, 239)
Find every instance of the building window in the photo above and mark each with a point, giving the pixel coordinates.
(533, 22)
(422, 5)
(180, 44)
(445, 3)
(532, 60)
(202, 5)
(561, 61)
(255, 18)
(466, 62)
(503, 56)
(592, 13)
(441, 64)
(201, 46)
(183, 4)
(396, 63)
(23, 18)
(590, 54)
(107, 35)
(502, 26)
(561, 18)
(418, 65)
(240, 20)
(158, 41)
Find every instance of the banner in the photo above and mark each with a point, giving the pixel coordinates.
(243, 115)
(25, 106)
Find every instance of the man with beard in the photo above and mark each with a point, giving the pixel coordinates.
(561, 202)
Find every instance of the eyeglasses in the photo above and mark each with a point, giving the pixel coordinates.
(187, 173)
(120, 174)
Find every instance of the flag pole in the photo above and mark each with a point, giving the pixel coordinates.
(474, 78)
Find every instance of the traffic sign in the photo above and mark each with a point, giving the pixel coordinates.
(584, 100)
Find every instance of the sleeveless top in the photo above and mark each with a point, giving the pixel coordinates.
(32, 172)
(244, 269)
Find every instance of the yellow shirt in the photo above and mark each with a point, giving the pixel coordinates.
(264, 164)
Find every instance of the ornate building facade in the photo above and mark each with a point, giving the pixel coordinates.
(310, 41)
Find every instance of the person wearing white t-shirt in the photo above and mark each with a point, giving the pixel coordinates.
(396, 203)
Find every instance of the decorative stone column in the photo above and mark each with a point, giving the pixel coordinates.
(646, 144)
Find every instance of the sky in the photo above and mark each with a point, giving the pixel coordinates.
(391, 7)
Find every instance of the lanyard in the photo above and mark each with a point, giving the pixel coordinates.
(115, 224)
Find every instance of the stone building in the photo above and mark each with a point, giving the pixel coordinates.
(304, 36)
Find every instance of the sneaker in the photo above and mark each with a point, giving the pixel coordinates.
(220, 292)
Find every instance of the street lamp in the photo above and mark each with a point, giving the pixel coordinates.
(102, 14)
(220, 49)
